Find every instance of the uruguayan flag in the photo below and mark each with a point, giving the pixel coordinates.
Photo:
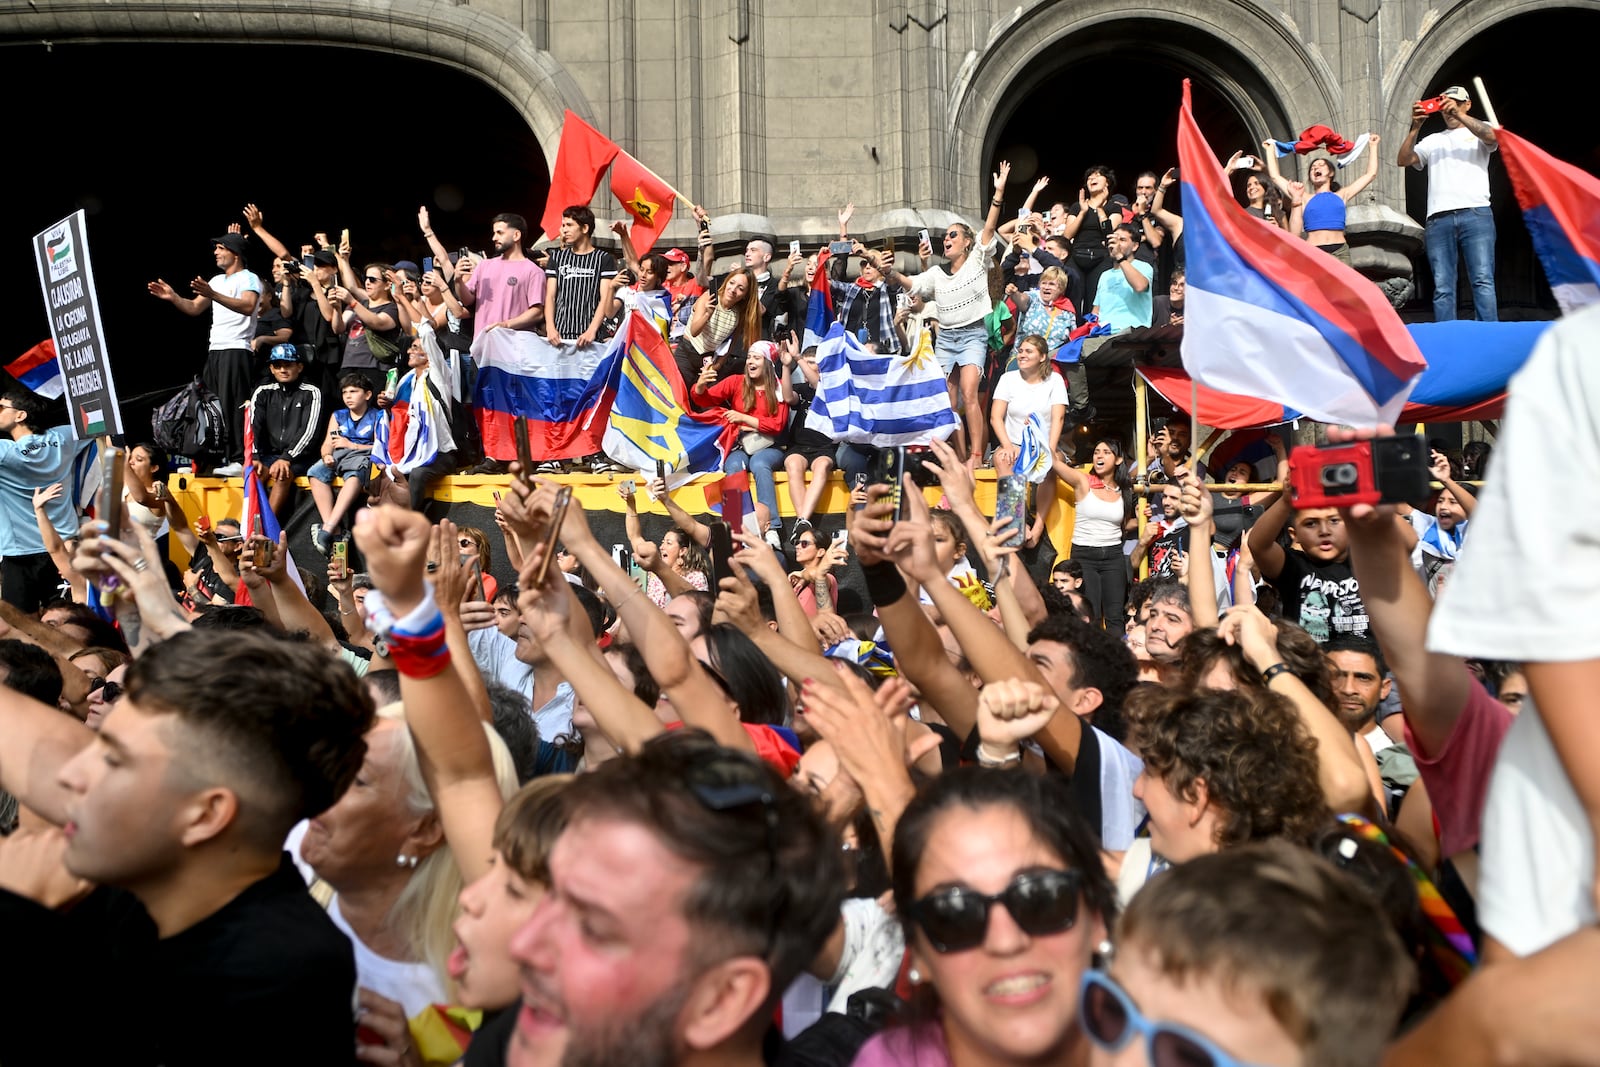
(864, 398)
(1033, 451)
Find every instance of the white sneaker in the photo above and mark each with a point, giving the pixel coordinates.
(230, 470)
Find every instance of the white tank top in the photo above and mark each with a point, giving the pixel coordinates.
(1098, 523)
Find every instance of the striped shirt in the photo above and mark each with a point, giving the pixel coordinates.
(578, 278)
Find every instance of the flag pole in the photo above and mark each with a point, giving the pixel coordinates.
(1483, 94)
(1141, 445)
(669, 186)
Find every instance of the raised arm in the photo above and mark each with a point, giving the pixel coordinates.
(1263, 536)
(1351, 191)
(1269, 156)
(1173, 223)
(993, 218)
(253, 219)
(1194, 504)
(441, 255)
(1441, 470)
(53, 544)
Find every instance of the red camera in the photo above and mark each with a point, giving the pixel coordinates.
(1387, 470)
(1431, 105)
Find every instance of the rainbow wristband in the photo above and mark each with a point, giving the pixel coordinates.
(416, 643)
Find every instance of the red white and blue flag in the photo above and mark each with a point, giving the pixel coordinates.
(521, 375)
(38, 371)
(1561, 206)
(820, 314)
(1269, 316)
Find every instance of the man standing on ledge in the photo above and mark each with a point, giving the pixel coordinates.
(234, 298)
(1460, 221)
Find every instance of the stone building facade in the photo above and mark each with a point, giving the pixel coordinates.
(773, 112)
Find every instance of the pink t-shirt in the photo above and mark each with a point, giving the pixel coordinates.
(1457, 775)
(502, 289)
(919, 1045)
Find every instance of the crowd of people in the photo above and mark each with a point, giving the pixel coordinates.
(1317, 791)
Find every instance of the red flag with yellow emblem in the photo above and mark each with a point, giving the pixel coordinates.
(581, 159)
(644, 196)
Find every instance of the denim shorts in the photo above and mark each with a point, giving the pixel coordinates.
(962, 346)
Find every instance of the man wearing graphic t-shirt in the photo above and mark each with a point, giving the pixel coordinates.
(576, 270)
(1317, 588)
(234, 298)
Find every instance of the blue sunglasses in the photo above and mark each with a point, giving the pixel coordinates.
(1111, 1019)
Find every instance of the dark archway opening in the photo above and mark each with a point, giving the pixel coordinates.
(1112, 97)
(162, 145)
(1541, 109)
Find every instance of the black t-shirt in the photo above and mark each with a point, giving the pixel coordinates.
(578, 278)
(1322, 597)
(357, 352)
(309, 326)
(492, 1038)
(267, 979)
(270, 322)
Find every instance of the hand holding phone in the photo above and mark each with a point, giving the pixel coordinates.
(721, 554)
(519, 430)
(552, 532)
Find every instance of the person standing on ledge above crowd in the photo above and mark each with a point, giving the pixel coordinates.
(233, 297)
(31, 456)
(1460, 220)
(961, 289)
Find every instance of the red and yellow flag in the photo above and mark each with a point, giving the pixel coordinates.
(645, 197)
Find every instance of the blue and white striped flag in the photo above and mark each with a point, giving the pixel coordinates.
(1033, 451)
(864, 398)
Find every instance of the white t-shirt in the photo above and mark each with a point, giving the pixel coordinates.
(411, 985)
(1458, 169)
(1023, 398)
(1524, 589)
(963, 297)
(229, 329)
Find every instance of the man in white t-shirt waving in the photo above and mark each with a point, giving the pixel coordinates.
(1460, 221)
(234, 299)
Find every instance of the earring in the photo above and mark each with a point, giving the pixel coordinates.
(404, 860)
(915, 976)
(1105, 948)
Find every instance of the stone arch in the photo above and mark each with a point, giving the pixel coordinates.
(482, 45)
(1258, 52)
(1449, 30)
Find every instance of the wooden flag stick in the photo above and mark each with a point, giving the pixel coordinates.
(1483, 95)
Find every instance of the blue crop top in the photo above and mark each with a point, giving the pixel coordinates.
(356, 431)
(1325, 211)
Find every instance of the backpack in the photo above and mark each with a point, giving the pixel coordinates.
(191, 423)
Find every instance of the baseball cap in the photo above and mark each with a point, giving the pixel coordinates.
(284, 353)
(408, 266)
(1456, 93)
(233, 242)
(675, 255)
(325, 258)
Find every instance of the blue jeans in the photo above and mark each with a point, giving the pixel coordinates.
(762, 464)
(1467, 233)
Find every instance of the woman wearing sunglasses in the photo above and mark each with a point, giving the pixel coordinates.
(1261, 956)
(104, 694)
(1005, 903)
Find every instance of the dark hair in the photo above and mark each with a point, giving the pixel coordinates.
(658, 263)
(771, 878)
(1304, 939)
(1099, 661)
(705, 603)
(1113, 442)
(1475, 458)
(284, 726)
(1366, 646)
(601, 614)
(102, 634)
(1138, 594)
(515, 727)
(30, 405)
(1257, 759)
(230, 617)
(1070, 567)
(30, 670)
(1168, 590)
(1110, 176)
(752, 681)
(157, 454)
(357, 379)
(384, 685)
(645, 686)
(1129, 228)
(580, 214)
(1043, 801)
(515, 221)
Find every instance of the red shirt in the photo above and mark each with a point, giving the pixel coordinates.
(729, 393)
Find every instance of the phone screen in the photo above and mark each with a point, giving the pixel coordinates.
(721, 554)
(733, 510)
(308, 262)
(427, 264)
(891, 464)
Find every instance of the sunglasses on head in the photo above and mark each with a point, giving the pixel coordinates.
(956, 918)
(1111, 1019)
(110, 692)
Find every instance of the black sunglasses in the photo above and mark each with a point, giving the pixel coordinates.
(956, 918)
(371, 280)
(110, 692)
